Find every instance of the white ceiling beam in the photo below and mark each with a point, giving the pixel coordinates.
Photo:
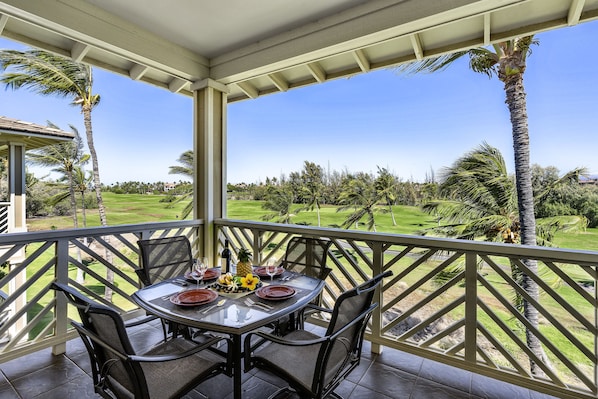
(176, 85)
(137, 71)
(279, 81)
(79, 51)
(317, 71)
(487, 29)
(575, 12)
(362, 60)
(3, 21)
(417, 46)
(104, 31)
(370, 23)
(248, 89)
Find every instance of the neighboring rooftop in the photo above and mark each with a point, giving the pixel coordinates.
(33, 135)
(589, 179)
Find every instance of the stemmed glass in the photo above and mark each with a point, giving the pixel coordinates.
(199, 269)
(271, 268)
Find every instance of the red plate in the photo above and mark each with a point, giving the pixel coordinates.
(261, 271)
(276, 292)
(210, 274)
(196, 297)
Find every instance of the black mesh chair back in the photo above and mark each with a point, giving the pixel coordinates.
(350, 315)
(168, 370)
(320, 363)
(109, 327)
(307, 256)
(164, 258)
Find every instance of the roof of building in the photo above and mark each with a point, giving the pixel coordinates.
(32, 135)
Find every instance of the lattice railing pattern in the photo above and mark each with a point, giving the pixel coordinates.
(455, 301)
(82, 258)
(449, 300)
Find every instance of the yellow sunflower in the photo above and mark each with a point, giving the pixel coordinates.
(249, 281)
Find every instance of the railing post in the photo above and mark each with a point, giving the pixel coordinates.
(61, 306)
(471, 298)
(377, 267)
(257, 244)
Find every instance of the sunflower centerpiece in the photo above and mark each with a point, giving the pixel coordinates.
(244, 280)
(230, 283)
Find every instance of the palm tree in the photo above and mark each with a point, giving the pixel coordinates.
(386, 188)
(312, 188)
(48, 74)
(63, 157)
(279, 200)
(508, 63)
(359, 194)
(82, 180)
(482, 203)
(185, 191)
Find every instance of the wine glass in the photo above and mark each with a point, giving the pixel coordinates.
(199, 269)
(271, 268)
(203, 265)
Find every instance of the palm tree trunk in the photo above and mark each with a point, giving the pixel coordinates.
(69, 174)
(80, 274)
(515, 99)
(392, 215)
(318, 212)
(86, 109)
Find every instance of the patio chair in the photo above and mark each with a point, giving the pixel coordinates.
(161, 259)
(168, 370)
(164, 258)
(314, 365)
(305, 255)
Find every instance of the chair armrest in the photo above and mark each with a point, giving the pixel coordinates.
(281, 340)
(316, 308)
(143, 320)
(142, 358)
(180, 355)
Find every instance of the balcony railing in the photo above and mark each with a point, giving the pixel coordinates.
(448, 300)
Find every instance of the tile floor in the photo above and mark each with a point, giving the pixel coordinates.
(392, 374)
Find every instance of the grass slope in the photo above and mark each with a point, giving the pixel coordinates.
(139, 208)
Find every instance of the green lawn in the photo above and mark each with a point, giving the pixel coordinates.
(139, 208)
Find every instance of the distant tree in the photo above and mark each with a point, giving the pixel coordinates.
(279, 200)
(359, 194)
(386, 185)
(82, 180)
(482, 201)
(184, 191)
(63, 158)
(312, 188)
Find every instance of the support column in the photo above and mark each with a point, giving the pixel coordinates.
(16, 186)
(209, 148)
(16, 224)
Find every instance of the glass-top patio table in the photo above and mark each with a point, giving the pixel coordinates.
(234, 317)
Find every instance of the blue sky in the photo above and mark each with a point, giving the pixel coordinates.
(411, 125)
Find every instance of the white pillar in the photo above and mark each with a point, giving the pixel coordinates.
(209, 148)
(17, 223)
